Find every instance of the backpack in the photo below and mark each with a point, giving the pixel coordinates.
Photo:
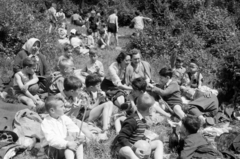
(229, 143)
(48, 81)
(207, 152)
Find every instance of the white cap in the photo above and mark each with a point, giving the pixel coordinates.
(73, 31)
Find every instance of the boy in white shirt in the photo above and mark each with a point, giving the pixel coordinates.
(60, 132)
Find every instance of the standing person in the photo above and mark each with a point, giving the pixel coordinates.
(52, 16)
(113, 26)
(93, 23)
(139, 22)
(139, 67)
(60, 15)
(118, 79)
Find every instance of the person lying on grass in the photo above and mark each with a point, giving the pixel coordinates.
(132, 131)
(61, 133)
(25, 85)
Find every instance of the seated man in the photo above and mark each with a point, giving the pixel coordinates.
(133, 131)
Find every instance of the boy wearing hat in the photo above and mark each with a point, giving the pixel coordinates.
(133, 128)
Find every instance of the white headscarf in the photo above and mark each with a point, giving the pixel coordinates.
(29, 44)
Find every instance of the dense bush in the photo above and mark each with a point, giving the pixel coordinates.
(20, 22)
(192, 30)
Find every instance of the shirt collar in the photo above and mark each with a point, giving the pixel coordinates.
(140, 115)
(167, 84)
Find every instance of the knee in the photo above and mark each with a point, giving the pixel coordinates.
(159, 143)
(125, 150)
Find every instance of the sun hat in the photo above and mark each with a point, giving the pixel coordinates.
(93, 11)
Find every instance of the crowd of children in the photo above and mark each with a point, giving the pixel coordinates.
(76, 101)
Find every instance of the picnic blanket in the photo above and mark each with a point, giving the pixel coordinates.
(7, 114)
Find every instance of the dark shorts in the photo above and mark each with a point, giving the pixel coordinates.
(112, 28)
(54, 153)
(94, 27)
(78, 23)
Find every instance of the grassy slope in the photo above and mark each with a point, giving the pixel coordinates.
(101, 150)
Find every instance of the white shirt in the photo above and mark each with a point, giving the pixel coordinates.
(56, 130)
(115, 74)
(138, 22)
(76, 42)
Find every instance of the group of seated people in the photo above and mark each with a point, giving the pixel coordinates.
(125, 96)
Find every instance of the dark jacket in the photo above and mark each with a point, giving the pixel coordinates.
(44, 69)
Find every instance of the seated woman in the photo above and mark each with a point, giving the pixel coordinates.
(31, 49)
(118, 79)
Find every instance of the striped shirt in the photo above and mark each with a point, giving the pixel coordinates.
(132, 130)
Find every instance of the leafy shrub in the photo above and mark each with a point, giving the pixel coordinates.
(20, 22)
(208, 34)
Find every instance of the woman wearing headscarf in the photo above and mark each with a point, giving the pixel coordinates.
(31, 49)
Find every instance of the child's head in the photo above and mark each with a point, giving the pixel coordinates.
(193, 66)
(89, 32)
(68, 49)
(78, 33)
(165, 74)
(139, 86)
(102, 32)
(55, 106)
(71, 85)
(93, 54)
(104, 25)
(179, 62)
(66, 67)
(144, 102)
(29, 66)
(137, 13)
(93, 82)
(190, 125)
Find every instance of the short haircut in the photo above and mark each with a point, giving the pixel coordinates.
(179, 59)
(27, 62)
(51, 102)
(101, 32)
(92, 80)
(166, 72)
(93, 51)
(139, 84)
(72, 83)
(137, 13)
(89, 31)
(67, 47)
(134, 52)
(65, 63)
(121, 56)
(194, 61)
(191, 123)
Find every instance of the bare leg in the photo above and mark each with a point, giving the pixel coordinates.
(28, 101)
(116, 39)
(106, 110)
(117, 124)
(109, 39)
(127, 152)
(178, 110)
(157, 145)
(79, 152)
(120, 100)
(69, 154)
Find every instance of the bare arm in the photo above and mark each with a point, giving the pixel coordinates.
(32, 81)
